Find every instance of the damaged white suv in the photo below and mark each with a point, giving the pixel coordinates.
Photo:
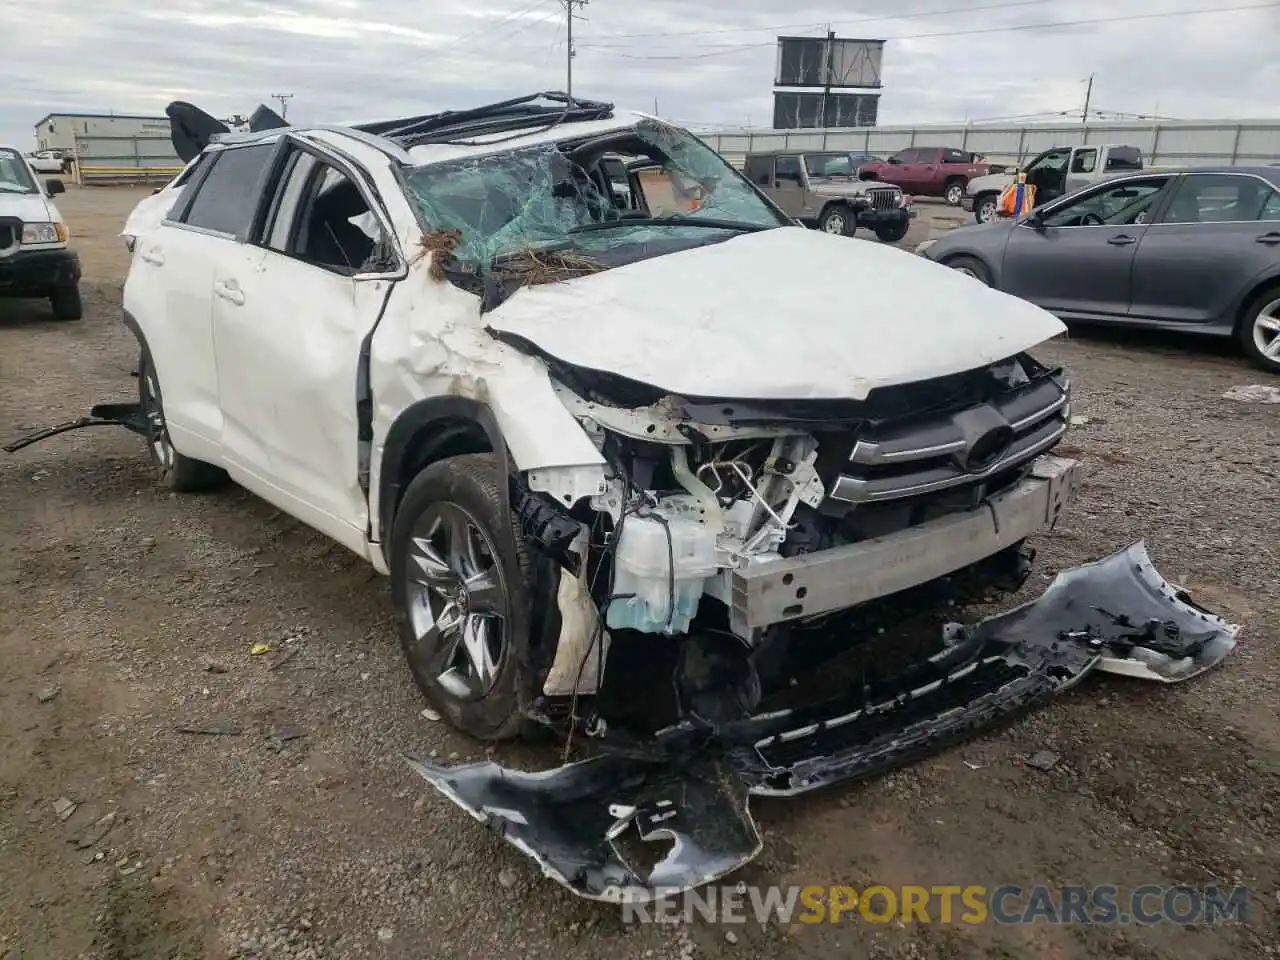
(600, 435)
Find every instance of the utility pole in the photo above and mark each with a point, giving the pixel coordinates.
(284, 99)
(1088, 95)
(826, 77)
(569, 51)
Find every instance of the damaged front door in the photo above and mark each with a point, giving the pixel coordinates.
(291, 314)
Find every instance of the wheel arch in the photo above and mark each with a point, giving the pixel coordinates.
(427, 432)
(992, 275)
(1270, 280)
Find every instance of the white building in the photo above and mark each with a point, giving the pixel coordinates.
(58, 131)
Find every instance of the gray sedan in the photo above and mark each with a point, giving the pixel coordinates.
(1192, 249)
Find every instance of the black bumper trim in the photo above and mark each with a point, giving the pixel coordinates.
(34, 273)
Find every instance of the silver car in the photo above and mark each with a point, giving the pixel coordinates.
(1191, 249)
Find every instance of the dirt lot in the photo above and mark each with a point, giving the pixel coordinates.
(128, 612)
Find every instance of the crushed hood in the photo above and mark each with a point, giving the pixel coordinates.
(785, 314)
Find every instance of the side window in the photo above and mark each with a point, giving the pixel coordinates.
(1053, 160)
(1271, 209)
(322, 219)
(759, 170)
(228, 196)
(1085, 161)
(1217, 198)
(788, 168)
(1121, 204)
(1124, 158)
(955, 156)
(906, 156)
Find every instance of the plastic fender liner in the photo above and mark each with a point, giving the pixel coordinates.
(1117, 614)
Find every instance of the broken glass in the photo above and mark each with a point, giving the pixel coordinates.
(538, 198)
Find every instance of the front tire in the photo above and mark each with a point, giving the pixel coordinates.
(839, 220)
(66, 303)
(178, 473)
(972, 267)
(460, 579)
(1260, 330)
(984, 208)
(892, 232)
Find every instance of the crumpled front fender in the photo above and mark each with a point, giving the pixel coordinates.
(1118, 615)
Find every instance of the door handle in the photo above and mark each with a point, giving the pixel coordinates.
(229, 290)
(1272, 237)
(1121, 241)
(154, 255)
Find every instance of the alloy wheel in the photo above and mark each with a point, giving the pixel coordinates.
(158, 442)
(834, 223)
(457, 601)
(955, 193)
(1266, 331)
(987, 211)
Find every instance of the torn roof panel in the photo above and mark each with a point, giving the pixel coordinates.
(503, 142)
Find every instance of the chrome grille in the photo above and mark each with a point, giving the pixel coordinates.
(885, 198)
(956, 449)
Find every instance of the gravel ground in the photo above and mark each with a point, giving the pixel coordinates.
(128, 613)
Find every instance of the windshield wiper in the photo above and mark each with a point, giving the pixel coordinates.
(673, 221)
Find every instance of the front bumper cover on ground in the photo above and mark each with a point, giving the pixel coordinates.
(1116, 615)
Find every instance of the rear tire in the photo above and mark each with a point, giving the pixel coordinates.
(838, 219)
(178, 473)
(953, 192)
(1260, 330)
(460, 579)
(66, 303)
(892, 233)
(971, 266)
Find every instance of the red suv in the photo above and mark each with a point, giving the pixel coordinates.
(930, 171)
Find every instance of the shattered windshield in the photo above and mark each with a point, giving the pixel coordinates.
(14, 175)
(569, 197)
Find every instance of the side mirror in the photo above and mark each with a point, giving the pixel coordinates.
(1034, 221)
(54, 187)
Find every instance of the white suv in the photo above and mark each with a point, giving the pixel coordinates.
(563, 415)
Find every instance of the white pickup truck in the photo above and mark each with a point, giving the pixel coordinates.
(1055, 172)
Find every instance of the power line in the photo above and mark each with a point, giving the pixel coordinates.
(737, 48)
(777, 27)
(501, 20)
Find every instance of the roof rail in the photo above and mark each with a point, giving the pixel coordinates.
(520, 113)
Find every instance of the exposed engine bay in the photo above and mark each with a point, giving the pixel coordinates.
(740, 547)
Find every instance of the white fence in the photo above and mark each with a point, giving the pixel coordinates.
(1172, 143)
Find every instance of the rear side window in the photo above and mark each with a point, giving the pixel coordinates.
(1124, 158)
(228, 196)
(1084, 161)
(955, 156)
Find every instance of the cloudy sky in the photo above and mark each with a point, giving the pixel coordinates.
(702, 61)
